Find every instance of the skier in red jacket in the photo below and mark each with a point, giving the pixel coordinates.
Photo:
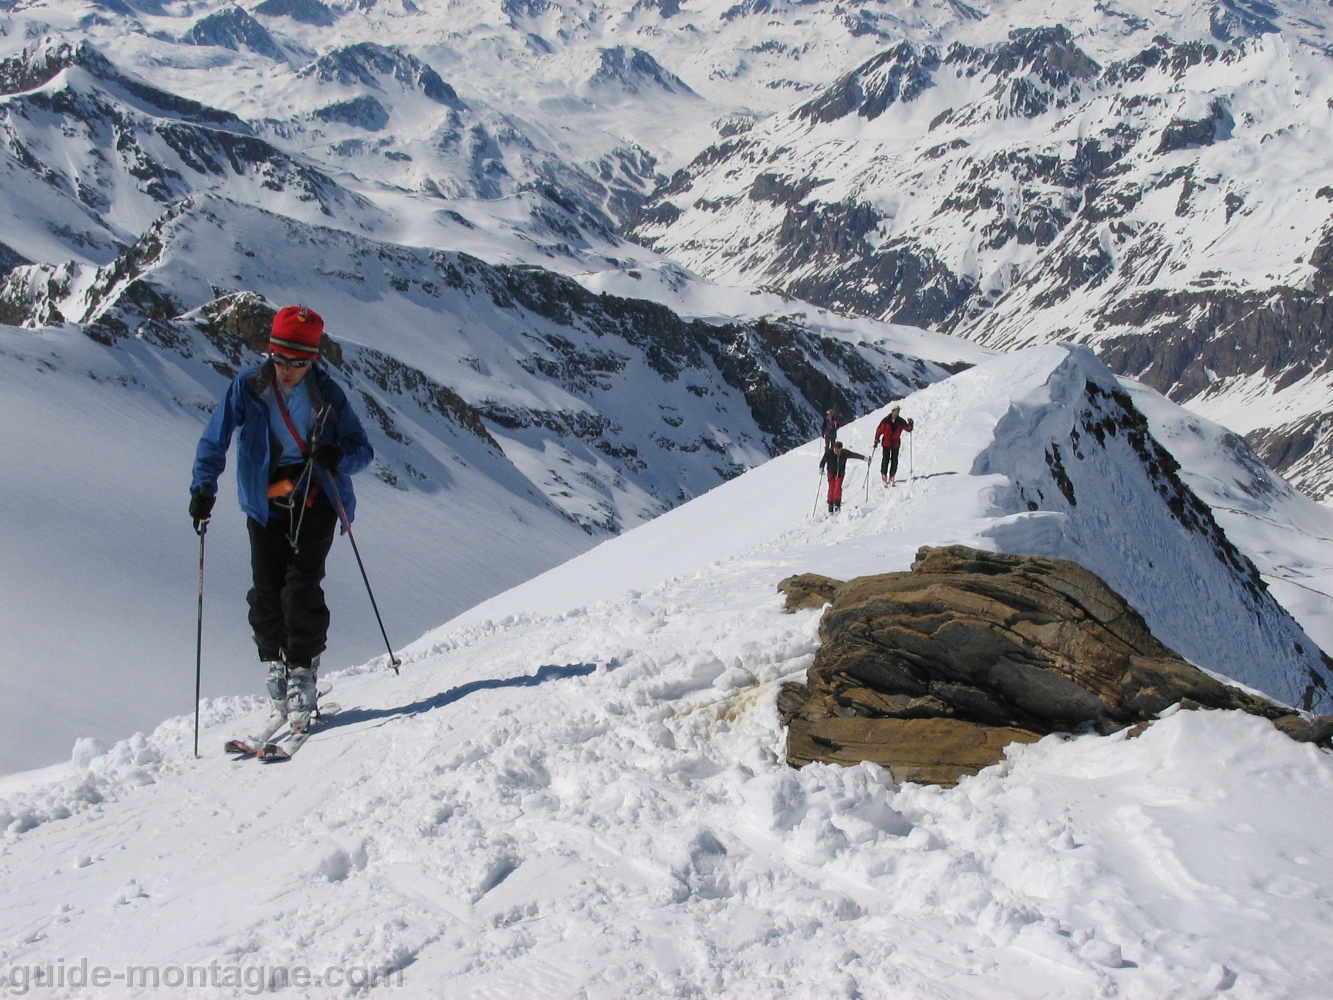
(835, 461)
(889, 436)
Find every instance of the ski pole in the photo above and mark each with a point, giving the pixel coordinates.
(201, 529)
(869, 462)
(347, 527)
(819, 485)
(911, 456)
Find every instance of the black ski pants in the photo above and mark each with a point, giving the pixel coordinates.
(888, 462)
(287, 609)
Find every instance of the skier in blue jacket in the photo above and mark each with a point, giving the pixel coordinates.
(298, 438)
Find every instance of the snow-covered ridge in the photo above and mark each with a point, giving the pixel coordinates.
(1052, 457)
(578, 787)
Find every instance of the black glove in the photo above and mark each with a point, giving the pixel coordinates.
(911, 424)
(201, 505)
(328, 456)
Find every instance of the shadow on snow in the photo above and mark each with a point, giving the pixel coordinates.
(545, 673)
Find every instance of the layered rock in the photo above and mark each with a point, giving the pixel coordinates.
(932, 672)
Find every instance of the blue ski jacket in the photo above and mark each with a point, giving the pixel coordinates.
(245, 406)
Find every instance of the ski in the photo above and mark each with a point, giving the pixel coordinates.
(285, 749)
(250, 746)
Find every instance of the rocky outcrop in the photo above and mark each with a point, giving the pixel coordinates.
(232, 28)
(808, 590)
(932, 672)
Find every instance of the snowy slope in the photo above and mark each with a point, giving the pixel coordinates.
(516, 418)
(151, 149)
(158, 157)
(101, 565)
(1038, 452)
(577, 789)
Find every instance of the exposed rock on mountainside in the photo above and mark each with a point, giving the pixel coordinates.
(932, 672)
(635, 69)
(233, 28)
(365, 62)
(1302, 451)
(808, 590)
(305, 11)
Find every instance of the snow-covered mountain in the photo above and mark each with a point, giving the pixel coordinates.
(1141, 177)
(1150, 181)
(578, 788)
(173, 173)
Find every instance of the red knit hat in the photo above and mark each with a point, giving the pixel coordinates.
(296, 332)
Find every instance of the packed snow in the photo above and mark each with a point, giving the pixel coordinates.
(577, 789)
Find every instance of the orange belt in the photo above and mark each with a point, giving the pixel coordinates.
(285, 488)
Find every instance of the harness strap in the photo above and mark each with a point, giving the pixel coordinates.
(311, 490)
(287, 419)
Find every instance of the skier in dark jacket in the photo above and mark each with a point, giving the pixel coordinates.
(829, 431)
(298, 437)
(835, 461)
(889, 436)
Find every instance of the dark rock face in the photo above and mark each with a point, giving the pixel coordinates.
(777, 367)
(365, 62)
(633, 69)
(1183, 133)
(900, 74)
(232, 28)
(360, 112)
(304, 11)
(1302, 451)
(1038, 69)
(977, 649)
(1199, 336)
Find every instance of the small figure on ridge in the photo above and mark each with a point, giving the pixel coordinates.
(835, 461)
(889, 436)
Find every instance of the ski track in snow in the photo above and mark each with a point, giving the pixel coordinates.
(578, 790)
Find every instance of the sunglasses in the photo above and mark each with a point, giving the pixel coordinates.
(278, 359)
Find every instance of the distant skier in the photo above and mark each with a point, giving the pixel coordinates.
(889, 436)
(296, 431)
(835, 461)
(830, 429)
